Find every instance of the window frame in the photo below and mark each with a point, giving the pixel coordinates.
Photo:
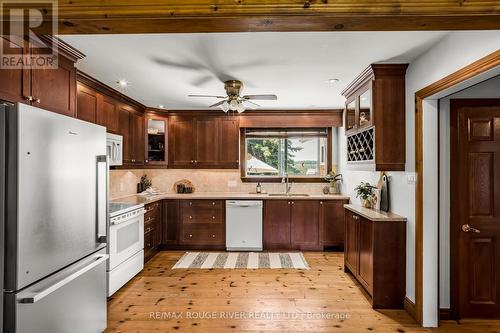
(270, 179)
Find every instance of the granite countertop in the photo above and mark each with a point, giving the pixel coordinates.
(374, 215)
(146, 199)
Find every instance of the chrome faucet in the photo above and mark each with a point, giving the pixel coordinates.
(285, 181)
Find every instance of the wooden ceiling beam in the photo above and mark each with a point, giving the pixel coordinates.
(172, 16)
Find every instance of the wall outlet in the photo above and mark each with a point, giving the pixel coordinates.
(231, 183)
(411, 177)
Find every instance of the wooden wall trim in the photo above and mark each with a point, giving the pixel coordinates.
(480, 66)
(409, 307)
(156, 16)
(107, 90)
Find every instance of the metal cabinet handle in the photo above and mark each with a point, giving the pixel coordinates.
(190, 217)
(101, 221)
(37, 100)
(293, 203)
(190, 236)
(213, 236)
(213, 203)
(149, 244)
(192, 161)
(213, 217)
(468, 228)
(190, 203)
(288, 202)
(96, 261)
(321, 202)
(28, 98)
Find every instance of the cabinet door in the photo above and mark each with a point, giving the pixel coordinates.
(137, 138)
(181, 142)
(365, 245)
(206, 142)
(171, 220)
(124, 131)
(277, 224)
(305, 225)
(351, 242)
(55, 89)
(87, 104)
(108, 115)
(14, 83)
(156, 140)
(229, 143)
(332, 218)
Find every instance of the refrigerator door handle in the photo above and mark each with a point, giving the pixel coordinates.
(97, 260)
(102, 217)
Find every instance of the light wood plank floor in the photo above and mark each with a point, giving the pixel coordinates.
(186, 295)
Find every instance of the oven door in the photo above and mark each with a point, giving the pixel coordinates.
(125, 239)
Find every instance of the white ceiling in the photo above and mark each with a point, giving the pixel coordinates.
(295, 66)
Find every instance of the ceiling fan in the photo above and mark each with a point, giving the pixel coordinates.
(233, 101)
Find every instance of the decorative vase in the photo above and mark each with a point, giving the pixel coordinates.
(334, 188)
(367, 203)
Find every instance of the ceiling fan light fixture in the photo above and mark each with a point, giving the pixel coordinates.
(233, 105)
(224, 107)
(240, 108)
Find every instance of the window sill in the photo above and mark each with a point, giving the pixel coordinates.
(278, 180)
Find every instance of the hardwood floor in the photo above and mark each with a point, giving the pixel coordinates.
(146, 302)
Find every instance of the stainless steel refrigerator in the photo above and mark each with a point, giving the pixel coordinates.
(54, 225)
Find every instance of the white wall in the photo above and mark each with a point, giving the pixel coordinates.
(486, 89)
(453, 52)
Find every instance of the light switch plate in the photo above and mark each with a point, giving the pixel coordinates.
(411, 177)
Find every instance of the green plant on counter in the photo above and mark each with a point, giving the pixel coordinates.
(332, 178)
(364, 190)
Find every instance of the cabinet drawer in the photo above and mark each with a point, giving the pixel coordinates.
(152, 218)
(202, 233)
(203, 211)
(152, 208)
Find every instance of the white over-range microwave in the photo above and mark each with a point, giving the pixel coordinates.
(114, 148)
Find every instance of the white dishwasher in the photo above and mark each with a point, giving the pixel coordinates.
(243, 225)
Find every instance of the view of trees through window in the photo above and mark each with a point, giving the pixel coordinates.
(277, 154)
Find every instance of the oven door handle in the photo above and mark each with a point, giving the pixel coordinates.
(102, 184)
(96, 261)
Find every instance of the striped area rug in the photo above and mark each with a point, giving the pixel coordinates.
(242, 260)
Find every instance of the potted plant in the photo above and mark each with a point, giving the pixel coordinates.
(334, 180)
(365, 191)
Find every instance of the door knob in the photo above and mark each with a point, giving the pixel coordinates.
(468, 228)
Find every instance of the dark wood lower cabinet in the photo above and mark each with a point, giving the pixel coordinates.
(332, 218)
(276, 226)
(375, 253)
(305, 230)
(152, 229)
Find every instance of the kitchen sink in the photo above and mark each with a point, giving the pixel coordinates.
(288, 195)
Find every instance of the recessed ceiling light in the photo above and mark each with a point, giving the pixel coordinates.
(333, 80)
(123, 83)
(161, 106)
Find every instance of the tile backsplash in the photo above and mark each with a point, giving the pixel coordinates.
(124, 182)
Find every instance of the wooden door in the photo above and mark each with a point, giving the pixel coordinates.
(304, 223)
(475, 208)
(229, 143)
(14, 83)
(351, 242)
(87, 104)
(332, 219)
(206, 142)
(365, 248)
(181, 142)
(55, 89)
(277, 224)
(108, 115)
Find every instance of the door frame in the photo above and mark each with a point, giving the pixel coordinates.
(456, 218)
(478, 67)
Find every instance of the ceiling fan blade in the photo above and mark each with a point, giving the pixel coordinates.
(217, 104)
(252, 103)
(212, 96)
(261, 97)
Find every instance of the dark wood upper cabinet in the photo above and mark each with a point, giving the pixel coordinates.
(203, 142)
(206, 138)
(181, 142)
(276, 226)
(124, 131)
(156, 139)
(229, 138)
(88, 103)
(305, 231)
(108, 115)
(53, 89)
(136, 139)
(375, 118)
